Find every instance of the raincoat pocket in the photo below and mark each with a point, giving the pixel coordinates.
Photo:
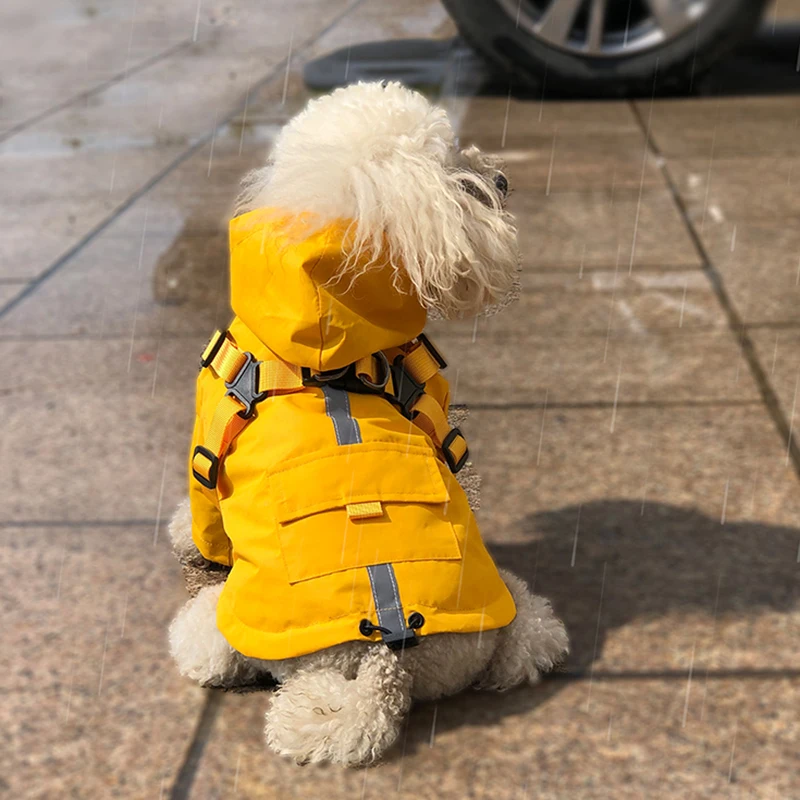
(323, 527)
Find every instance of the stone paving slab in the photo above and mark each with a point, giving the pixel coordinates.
(739, 189)
(549, 147)
(685, 509)
(759, 263)
(105, 40)
(620, 739)
(599, 341)
(118, 416)
(599, 229)
(611, 163)
(92, 704)
(724, 127)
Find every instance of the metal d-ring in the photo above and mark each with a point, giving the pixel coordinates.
(386, 372)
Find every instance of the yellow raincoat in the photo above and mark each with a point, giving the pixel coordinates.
(332, 507)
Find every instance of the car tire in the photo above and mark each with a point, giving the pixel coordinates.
(670, 67)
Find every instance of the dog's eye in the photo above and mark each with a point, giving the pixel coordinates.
(501, 182)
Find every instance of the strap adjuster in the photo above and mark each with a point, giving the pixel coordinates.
(209, 482)
(212, 348)
(455, 464)
(431, 348)
(244, 386)
(406, 390)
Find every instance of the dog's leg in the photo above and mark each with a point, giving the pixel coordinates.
(533, 643)
(200, 650)
(319, 715)
(180, 532)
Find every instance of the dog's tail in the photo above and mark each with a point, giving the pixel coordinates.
(319, 715)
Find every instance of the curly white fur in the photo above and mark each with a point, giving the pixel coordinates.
(319, 715)
(198, 648)
(383, 157)
(180, 531)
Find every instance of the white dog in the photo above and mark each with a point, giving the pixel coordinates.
(382, 157)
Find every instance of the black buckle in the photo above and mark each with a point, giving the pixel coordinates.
(244, 386)
(401, 640)
(213, 471)
(204, 362)
(406, 390)
(398, 640)
(455, 466)
(429, 346)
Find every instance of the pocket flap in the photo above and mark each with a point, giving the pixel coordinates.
(359, 473)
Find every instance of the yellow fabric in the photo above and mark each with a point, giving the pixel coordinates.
(282, 514)
(286, 286)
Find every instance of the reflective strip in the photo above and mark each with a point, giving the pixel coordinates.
(388, 606)
(385, 593)
(337, 406)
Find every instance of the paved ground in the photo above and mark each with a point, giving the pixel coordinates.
(632, 416)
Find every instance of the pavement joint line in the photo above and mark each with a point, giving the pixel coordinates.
(152, 182)
(570, 272)
(107, 337)
(82, 523)
(87, 93)
(735, 322)
(675, 674)
(181, 789)
(592, 405)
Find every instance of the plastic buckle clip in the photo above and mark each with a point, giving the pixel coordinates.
(456, 465)
(244, 386)
(212, 348)
(406, 390)
(213, 470)
(435, 354)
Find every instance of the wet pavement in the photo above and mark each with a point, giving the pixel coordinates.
(633, 416)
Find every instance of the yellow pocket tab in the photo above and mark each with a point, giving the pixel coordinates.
(364, 510)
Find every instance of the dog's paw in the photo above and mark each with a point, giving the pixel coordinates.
(319, 715)
(198, 648)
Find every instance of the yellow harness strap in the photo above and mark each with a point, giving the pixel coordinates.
(248, 382)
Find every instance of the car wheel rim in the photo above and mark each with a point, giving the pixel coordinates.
(606, 28)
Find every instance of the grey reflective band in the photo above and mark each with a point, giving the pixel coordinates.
(337, 406)
(390, 610)
(396, 635)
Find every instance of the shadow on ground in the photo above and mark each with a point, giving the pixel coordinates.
(767, 64)
(649, 563)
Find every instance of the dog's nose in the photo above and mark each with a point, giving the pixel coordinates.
(501, 182)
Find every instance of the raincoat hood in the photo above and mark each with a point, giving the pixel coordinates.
(287, 288)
